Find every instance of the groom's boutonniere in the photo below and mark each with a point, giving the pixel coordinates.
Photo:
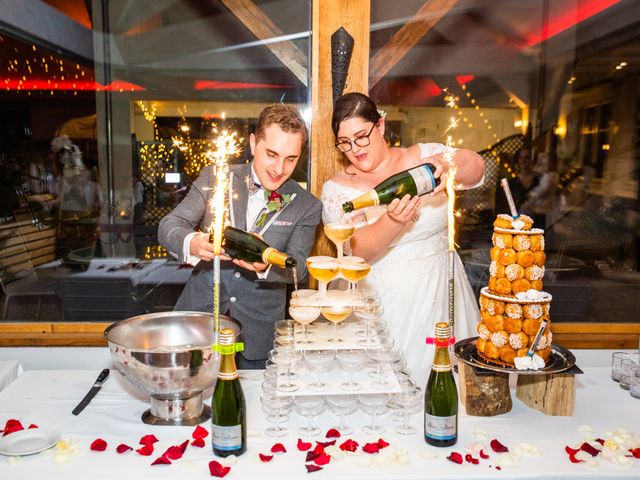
(275, 201)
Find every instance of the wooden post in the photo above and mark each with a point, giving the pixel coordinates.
(550, 394)
(329, 16)
(486, 394)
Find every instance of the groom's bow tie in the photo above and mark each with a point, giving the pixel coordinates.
(254, 187)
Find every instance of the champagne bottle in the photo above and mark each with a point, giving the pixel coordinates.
(441, 395)
(228, 411)
(250, 248)
(414, 181)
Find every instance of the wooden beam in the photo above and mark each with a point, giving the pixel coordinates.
(264, 29)
(329, 16)
(404, 39)
(59, 334)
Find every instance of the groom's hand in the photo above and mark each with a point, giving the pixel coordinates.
(253, 267)
(202, 248)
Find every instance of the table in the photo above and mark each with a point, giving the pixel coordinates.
(46, 398)
(9, 371)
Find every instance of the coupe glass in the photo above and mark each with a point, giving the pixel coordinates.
(304, 315)
(277, 409)
(324, 272)
(336, 314)
(381, 356)
(367, 310)
(374, 405)
(309, 406)
(342, 405)
(352, 361)
(318, 362)
(407, 401)
(354, 272)
(339, 233)
(286, 358)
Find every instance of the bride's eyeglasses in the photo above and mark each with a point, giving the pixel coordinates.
(361, 141)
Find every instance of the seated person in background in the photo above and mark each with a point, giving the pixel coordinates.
(250, 293)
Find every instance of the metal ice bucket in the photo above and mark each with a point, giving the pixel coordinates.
(168, 355)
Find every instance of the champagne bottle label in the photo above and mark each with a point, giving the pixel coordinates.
(440, 428)
(226, 438)
(423, 178)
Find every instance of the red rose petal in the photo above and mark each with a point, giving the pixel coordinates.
(200, 432)
(183, 446)
(571, 451)
(145, 450)
(319, 448)
(574, 459)
(635, 452)
(333, 433)
(148, 440)
(326, 444)
(483, 455)
(349, 446)
(498, 468)
(591, 450)
(498, 447)
(198, 442)
(312, 468)
(371, 448)
(12, 429)
(163, 460)
(98, 445)
(278, 448)
(12, 422)
(173, 453)
(311, 456)
(303, 446)
(123, 448)
(455, 457)
(470, 459)
(217, 469)
(600, 441)
(33, 425)
(265, 458)
(382, 443)
(322, 459)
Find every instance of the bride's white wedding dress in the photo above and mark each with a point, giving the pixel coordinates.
(412, 276)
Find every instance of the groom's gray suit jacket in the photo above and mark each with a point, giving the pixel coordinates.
(256, 304)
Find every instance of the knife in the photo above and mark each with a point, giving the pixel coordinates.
(92, 392)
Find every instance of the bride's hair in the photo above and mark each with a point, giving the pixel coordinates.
(352, 105)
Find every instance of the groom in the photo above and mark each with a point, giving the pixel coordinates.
(252, 293)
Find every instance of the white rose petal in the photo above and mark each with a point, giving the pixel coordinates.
(61, 458)
(335, 453)
(506, 460)
(428, 454)
(381, 460)
(363, 461)
(584, 456)
(623, 461)
(229, 461)
(482, 434)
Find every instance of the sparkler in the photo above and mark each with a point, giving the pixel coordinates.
(225, 145)
(451, 195)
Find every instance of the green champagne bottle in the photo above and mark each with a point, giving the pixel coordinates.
(441, 395)
(228, 411)
(414, 181)
(250, 248)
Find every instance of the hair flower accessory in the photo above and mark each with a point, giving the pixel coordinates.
(275, 201)
(382, 113)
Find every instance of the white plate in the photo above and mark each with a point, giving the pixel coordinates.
(28, 442)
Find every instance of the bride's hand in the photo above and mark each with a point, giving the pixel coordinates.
(442, 167)
(404, 210)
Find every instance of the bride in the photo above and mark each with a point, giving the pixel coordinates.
(406, 241)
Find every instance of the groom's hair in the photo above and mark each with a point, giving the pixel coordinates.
(287, 117)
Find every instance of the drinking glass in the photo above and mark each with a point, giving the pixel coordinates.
(373, 405)
(381, 356)
(309, 406)
(286, 358)
(304, 315)
(335, 314)
(324, 272)
(342, 405)
(634, 382)
(352, 361)
(408, 400)
(339, 233)
(626, 367)
(277, 409)
(271, 371)
(318, 362)
(354, 272)
(616, 359)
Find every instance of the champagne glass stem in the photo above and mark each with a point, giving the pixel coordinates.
(322, 289)
(305, 333)
(339, 249)
(374, 420)
(335, 332)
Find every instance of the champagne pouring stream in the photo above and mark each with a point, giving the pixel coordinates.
(225, 145)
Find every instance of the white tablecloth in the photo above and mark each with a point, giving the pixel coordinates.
(9, 371)
(46, 398)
